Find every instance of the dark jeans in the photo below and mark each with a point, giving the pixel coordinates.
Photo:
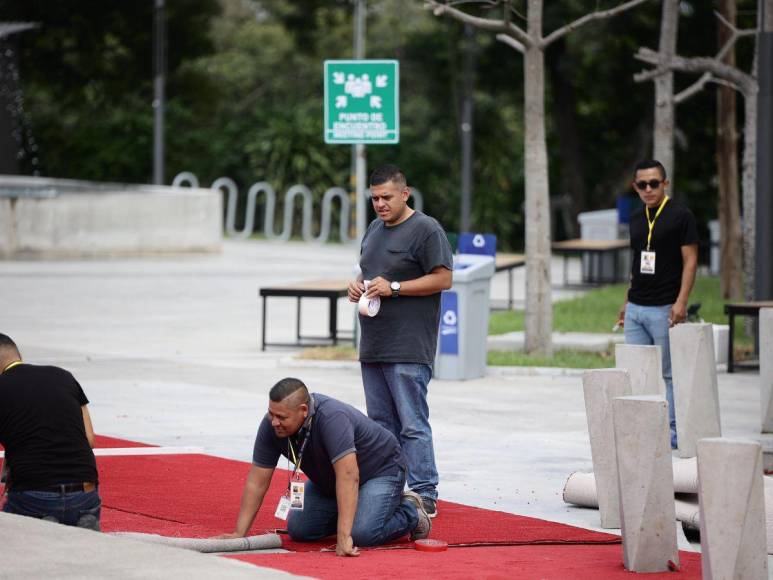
(382, 513)
(396, 399)
(79, 508)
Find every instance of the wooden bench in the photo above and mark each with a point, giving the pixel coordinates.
(597, 249)
(330, 289)
(742, 309)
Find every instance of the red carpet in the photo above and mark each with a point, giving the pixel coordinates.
(199, 495)
(490, 563)
(105, 442)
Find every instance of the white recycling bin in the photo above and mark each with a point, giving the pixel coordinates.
(464, 314)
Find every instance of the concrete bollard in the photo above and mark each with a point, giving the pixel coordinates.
(644, 366)
(599, 388)
(766, 368)
(696, 397)
(732, 510)
(646, 483)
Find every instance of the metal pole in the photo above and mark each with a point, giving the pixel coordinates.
(159, 61)
(764, 233)
(466, 128)
(360, 159)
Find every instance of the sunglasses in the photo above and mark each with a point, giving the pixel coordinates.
(653, 183)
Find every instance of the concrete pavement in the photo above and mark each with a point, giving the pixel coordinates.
(167, 351)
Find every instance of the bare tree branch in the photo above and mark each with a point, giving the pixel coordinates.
(706, 77)
(598, 15)
(511, 42)
(745, 82)
(693, 89)
(498, 26)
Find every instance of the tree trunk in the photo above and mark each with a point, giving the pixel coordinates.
(663, 136)
(749, 188)
(539, 312)
(730, 239)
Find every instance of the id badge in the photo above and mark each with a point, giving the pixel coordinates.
(297, 490)
(283, 508)
(647, 262)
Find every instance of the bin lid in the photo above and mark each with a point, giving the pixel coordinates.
(469, 267)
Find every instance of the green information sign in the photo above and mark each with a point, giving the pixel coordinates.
(362, 101)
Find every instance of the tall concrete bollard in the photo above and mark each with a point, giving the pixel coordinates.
(732, 510)
(646, 483)
(599, 388)
(766, 368)
(644, 365)
(696, 397)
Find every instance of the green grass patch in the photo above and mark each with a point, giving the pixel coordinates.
(597, 310)
(572, 359)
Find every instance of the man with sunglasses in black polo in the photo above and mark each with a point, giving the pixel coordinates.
(664, 245)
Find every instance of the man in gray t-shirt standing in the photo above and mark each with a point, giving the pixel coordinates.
(407, 261)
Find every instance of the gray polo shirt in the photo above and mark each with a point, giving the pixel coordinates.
(335, 430)
(406, 328)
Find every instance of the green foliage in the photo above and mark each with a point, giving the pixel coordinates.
(245, 97)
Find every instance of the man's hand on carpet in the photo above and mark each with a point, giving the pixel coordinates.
(346, 547)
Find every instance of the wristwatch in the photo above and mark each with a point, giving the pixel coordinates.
(395, 286)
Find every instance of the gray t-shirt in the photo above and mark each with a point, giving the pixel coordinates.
(335, 430)
(406, 328)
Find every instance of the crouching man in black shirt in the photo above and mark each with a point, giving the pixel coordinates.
(355, 467)
(46, 431)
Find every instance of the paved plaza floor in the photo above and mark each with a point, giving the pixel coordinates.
(167, 350)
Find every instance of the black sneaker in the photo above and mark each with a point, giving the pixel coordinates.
(430, 506)
(424, 525)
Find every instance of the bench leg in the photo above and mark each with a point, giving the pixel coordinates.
(510, 289)
(731, 320)
(263, 326)
(298, 319)
(334, 320)
(565, 269)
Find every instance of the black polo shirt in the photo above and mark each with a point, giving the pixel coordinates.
(41, 428)
(335, 430)
(674, 228)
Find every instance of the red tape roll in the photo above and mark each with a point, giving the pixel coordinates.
(430, 545)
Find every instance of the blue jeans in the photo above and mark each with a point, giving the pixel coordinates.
(382, 515)
(79, 508)
(396, 398)
(649, 325)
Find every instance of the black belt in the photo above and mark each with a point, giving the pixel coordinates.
(86, 486)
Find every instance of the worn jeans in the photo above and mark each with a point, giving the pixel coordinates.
(79, 508)
(396, 398)
(649, 325)
(382, 513)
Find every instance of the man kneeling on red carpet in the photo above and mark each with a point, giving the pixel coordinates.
(355, 470)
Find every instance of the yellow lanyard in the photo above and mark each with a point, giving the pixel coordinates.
(10, 366)
(652, 223)
(297, 460)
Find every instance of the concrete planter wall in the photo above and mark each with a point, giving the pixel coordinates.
(112, 222)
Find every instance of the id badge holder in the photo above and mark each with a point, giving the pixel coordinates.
(647, 262)
(297, 495)
(283, 508)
